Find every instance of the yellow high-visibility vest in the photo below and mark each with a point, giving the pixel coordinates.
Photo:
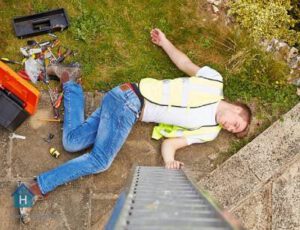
(186, 92)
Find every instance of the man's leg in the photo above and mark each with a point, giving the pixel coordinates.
(118, 114)
(77, 133)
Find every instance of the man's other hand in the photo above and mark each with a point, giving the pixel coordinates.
(174, 165)
(158, 37)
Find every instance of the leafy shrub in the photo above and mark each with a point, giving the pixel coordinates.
(295, 13)
(266, 19)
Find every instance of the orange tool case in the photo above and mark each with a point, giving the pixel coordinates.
(18, 98)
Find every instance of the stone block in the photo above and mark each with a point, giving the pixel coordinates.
(276, 146)
(138, 149)
(9, 214)
(286, 199)
(254, 213)
(101, 210)
(230, 183)
(68, 209)
(31, 156)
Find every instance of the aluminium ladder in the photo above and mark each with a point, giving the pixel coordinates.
(160, 198)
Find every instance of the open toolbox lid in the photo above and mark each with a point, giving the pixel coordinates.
(22, 89)
(41, 23)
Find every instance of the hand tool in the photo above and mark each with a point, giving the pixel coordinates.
(55, 110)
(58, 101)
(50, 120)
(6, 60)
(53, 35)
(13, 135)
(49, 50)
(54, 152)
(34, 51)
(62, 56)
(49, 138)
(24, 51)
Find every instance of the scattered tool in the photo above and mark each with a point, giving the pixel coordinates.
(52, 100)
(54, 152)
(58, 101)
(50, 120)
(6, 60)
(49, 138)
(62, 55)
(16, 136)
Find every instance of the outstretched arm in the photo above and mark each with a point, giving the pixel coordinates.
(178, 58)
(168, 150)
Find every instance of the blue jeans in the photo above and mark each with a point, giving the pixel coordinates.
(106, 129)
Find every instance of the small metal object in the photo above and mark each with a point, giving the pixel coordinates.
(13, 135)
(49, 138)
(53, 35)
(54, 152)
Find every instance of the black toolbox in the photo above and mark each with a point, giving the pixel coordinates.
(12, 112)
(41, 23)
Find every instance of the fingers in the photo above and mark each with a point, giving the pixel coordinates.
(158, 31)
(174, 165)
(168, 165)
(157, 36)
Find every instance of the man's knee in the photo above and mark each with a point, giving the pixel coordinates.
(101, 165)
(70, 145)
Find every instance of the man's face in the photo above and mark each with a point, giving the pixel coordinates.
(232, 121)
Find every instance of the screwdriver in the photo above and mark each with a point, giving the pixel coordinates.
(6, 60)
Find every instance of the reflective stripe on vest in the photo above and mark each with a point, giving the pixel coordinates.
(186, 92)
(165, 130)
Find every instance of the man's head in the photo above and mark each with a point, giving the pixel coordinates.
(234, 117)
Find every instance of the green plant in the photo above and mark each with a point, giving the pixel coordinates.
(87, 26)
(295, 13)
(265, 19)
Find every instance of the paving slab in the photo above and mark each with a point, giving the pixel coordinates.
(277, 145)
(235, 173)
(9, 215)
(197, 159)
(63, 209)
(286, 199)
(139, 149)
(255, 212)
(4, 153)
(102, 205)
(31, 156)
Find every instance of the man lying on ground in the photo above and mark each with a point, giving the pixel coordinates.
(189, 109)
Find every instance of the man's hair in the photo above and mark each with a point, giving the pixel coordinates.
(246, 114)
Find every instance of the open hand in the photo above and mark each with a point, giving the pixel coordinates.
(174, 165)
(158, 37)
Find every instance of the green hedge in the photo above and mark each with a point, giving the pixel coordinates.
(266, 19)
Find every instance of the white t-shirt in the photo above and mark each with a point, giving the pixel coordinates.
(192, 118)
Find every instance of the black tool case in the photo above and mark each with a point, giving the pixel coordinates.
(46, 22)
(12, 112)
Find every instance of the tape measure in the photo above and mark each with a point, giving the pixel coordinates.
(54, 152)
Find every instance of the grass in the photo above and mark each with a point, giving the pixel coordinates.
(112, 43)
